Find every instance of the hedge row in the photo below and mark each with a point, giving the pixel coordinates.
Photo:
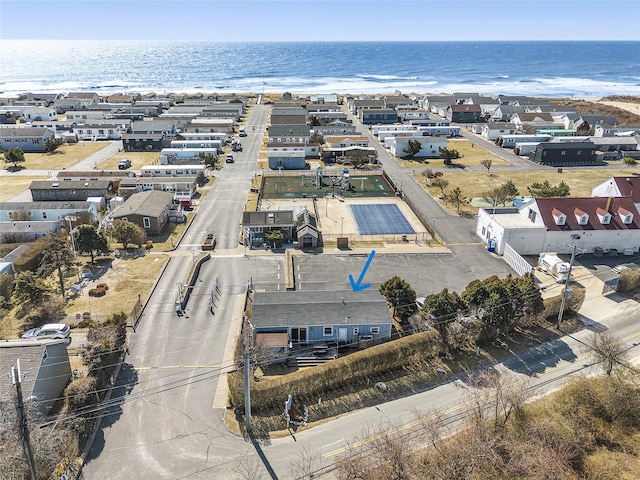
(367, 366)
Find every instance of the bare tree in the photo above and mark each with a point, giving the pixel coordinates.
(440, 183)
(249, 469)
(307, 465)
(608, 350)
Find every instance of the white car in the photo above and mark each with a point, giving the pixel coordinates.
(49, 330)
(420, 302)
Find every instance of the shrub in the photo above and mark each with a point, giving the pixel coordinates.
(97, 292)
(29, 259)
(103, 286)
(571, 305)
(148, 245)
(629, 281)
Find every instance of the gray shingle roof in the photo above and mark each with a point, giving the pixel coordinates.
(150, 203)
(268, 217)
(306, 308)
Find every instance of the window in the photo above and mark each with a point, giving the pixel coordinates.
(44, 214)
(327, 331)
(532, 215)
(146, 221)
(375, 330)
(356, 330)
(563, 152)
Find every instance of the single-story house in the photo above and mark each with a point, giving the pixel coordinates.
(69, 190)
(555, 224)
(149, 210)
(334, 127)
(493, 130)
(26, 231)
(44, 368)
(559, 154)
(430, 145)
(297, 319)
(287, 160)
(27, 139)
(144, 142)
(46, 211)
(311, 150)
(536, 120)
(31, 114)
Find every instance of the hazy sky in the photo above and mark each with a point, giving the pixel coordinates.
(321, 20)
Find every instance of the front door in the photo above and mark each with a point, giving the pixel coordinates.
(342, 335)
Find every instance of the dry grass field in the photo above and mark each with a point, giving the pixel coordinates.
(65, 156)
(126, 278)
(11, 185)
(474, 184)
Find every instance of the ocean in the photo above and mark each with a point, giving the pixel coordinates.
(543, 69)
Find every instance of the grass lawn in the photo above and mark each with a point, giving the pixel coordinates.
(138, 160)
(471, 156)
(12, 185)
(65, 156)
(474, 184)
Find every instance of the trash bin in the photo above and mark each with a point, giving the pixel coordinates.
(598, 251)
(559, 170)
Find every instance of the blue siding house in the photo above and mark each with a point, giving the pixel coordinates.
(287, 160)
(308, 318)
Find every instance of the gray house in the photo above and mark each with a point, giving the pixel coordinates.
(27, 139)
(150, 210)
(296, 319)
(256, 224)
(373, 116)
(69, 190)
(44, 368)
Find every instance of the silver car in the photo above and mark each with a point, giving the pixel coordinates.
(49, 330)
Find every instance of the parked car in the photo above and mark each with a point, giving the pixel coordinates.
(229, 158)
(420, 302)
(124, 164)
(49, 330)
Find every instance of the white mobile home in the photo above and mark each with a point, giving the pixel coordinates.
(172, 170)
(376, 129)
(196, 144)
(174, 155)
(509, 141)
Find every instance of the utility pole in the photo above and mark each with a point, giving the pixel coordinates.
(247, 383)
(564, 290)
(24, 432)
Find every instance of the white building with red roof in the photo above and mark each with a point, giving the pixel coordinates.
(555, 224)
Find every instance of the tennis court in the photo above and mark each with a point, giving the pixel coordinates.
(380, 219)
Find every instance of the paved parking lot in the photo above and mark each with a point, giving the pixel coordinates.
(425, 273)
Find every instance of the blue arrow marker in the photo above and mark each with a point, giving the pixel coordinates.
(356, 286)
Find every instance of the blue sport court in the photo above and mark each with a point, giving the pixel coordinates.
(380, 219)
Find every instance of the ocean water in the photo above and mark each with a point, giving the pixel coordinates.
(545, 69)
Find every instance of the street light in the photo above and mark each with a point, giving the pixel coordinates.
(70, 218)
(341, 225)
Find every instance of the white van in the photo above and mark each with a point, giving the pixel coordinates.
(242, 132)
